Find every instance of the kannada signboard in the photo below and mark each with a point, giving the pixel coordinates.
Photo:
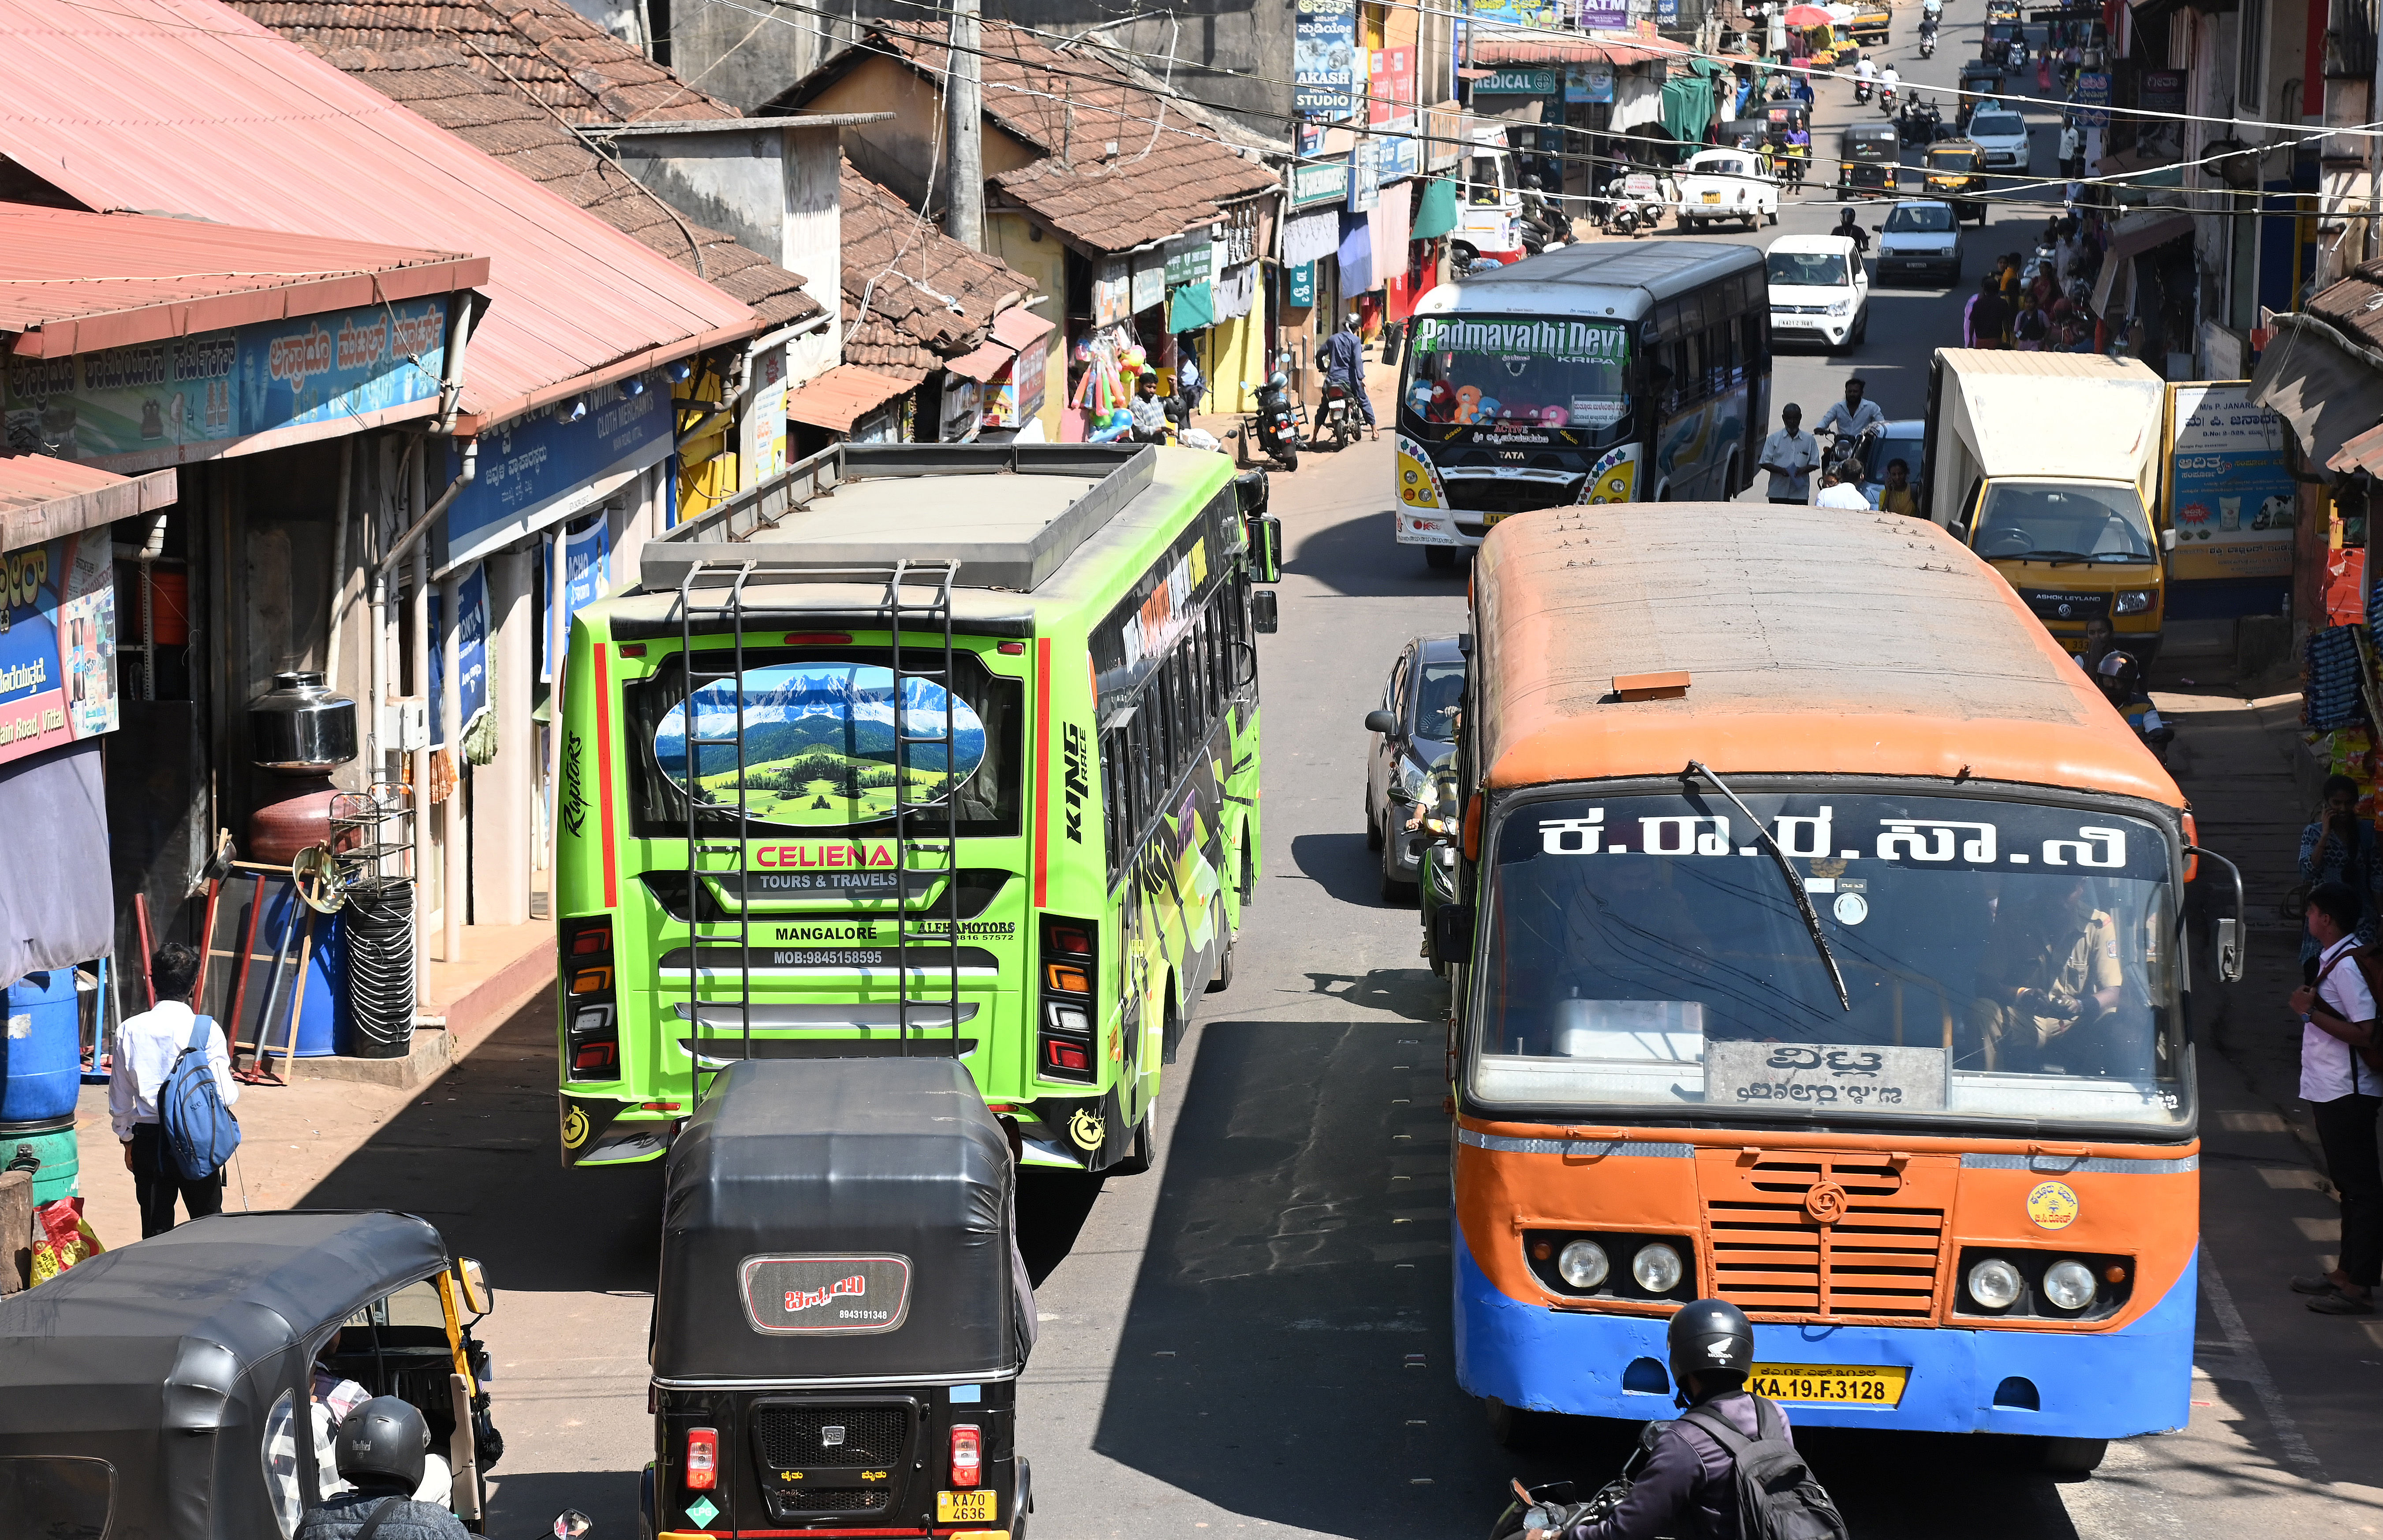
(2229, 488)
(57, 650)
(555, 461)
(1391, 89)
(214, 387)
(1324, 181)
(1324, 57)
(2093, 99)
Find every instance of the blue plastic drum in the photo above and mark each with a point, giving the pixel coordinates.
(41, 1048)
(322, 1025)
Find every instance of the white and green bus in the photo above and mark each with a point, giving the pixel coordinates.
(916, 750)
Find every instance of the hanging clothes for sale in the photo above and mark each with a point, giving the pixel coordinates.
(1310, 237)
(1356, 256)
(1237, 292)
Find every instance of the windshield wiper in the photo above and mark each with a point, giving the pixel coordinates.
(1786, 870)
(2054, 557)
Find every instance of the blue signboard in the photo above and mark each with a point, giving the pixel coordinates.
(1324, 61)
(587, 576)
(2093, 99)
(1399, 157)
(471, 655)
(545, 466)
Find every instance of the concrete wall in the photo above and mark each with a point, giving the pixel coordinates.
(1036, 253)
(737, 55)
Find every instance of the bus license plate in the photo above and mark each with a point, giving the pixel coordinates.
(965, 1508)
(1829, 1383)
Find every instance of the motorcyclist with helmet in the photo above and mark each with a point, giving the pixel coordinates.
(383, 1446)
(1682, 1482)
(2120, 678)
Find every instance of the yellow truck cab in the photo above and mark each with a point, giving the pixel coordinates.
(2047, 465)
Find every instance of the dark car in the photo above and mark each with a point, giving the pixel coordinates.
(1415, 729)
(1873, 154)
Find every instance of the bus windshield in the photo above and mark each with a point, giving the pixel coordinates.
(2056, 521)
(1554, 372)
(2004, 961)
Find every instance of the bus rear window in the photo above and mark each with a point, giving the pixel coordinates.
(825, 741)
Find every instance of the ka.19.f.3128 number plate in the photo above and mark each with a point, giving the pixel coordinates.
(1832, 1382)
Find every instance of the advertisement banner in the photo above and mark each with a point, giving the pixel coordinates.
(2229, 487)
(1589, 82)
(1324, 57)
(1364, 176)
(761, 443)
(57, 651)
(586, 578)
(471, 655)
(1398, 158)
(219, 386)
(2093, 99)
(1112, 292)
(553, 462)
(1391, 89)
(1528, 13)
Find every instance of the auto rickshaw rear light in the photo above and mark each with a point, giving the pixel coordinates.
(967, 1455)
(702, 1458)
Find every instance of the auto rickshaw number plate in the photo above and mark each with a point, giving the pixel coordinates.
(967, 1508)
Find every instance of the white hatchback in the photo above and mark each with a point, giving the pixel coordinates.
(2002, 136)
(1820, 290)
(1725, 184)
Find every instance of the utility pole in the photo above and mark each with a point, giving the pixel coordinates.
(964, 124)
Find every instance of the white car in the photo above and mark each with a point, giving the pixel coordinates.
(1922, 239)
(1820, 290)
(2002, 135)
(1715, 185)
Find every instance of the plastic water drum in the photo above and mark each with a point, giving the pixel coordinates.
(41, 1048)
(53, 1145)
(323, 1023)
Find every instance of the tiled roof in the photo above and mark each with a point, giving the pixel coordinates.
(909, 275)
(1122, 170)
(559, 67)
(2355, 304)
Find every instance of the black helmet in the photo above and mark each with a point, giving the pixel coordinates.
(1711, 1337)
(2120, 668)
(382, 1443)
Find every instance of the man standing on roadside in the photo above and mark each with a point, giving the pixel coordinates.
(1987, 318)
(146, 1047)
(1789, 455)
(2337, 1016)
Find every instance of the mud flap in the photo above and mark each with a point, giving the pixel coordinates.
(1092, 1129)
(589, 1138)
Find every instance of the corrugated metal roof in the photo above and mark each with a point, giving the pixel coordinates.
(835, 400)
(72, 282)
(186, 106)
(1509, 46)
(1019, 328)
(42, 498)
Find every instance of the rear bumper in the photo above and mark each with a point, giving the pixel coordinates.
(2114, 1385)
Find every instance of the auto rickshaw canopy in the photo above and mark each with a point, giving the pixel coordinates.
(1872, 142)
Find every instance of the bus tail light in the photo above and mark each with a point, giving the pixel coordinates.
(591, 1049)
(702, 1458)
(1070, 963)
(967, 1455)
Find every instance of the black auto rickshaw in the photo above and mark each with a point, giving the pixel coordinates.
(842, 1313)
(165, 1390)
(1955, 172)
(1979, 77)
(1869, 158)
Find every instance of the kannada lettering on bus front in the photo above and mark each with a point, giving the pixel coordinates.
(1967, 842)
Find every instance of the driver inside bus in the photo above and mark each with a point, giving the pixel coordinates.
(2051, 968)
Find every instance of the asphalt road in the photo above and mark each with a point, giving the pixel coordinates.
(1253, 1338)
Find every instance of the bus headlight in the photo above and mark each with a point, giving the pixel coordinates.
(1657, 1268)
(2068, 1284)
(1994, 1284)
(1583, 1265)
(2134, 601)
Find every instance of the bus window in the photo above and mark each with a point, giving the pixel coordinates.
(1113, 780)
(1468, 369)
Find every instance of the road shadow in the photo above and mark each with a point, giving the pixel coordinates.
(1360, 558)
(1052, 1208)
(1341, 864)
(1415, 993)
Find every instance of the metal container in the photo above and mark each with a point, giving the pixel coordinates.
(300, 727)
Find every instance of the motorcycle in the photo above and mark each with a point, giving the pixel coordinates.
(1556, 1505)
(1336, 413)
(1848, 453)
(1928, 40)
(1886, 100)
(1275, 425)
(1639, 205)
(1861, 90)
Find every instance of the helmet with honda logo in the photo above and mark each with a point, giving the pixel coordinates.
(1711, 1337)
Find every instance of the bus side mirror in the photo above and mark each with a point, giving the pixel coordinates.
(1265, 548)
(1263, 618)
(2229, 950)
(1451, 930)
(2167, 539)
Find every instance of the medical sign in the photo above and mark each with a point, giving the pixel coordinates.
(1324, 57)
(212, 388)
(57, 650)
(2229, 488)
(820, 1294)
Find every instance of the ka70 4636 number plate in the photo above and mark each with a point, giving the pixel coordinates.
(1830, 1383)
(965, 1508)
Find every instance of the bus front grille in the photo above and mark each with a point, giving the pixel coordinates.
(1824, 1239)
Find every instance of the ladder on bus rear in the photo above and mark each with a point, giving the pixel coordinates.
(926, 829)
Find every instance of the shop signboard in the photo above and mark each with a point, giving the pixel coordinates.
(761, 444)
(1319, 182)
(1590, 83)
(1516, 82)
(1605, 15)
(57, 650)
(2093, 99)
(1667, 13)
(1191, 260)
(1391, 102)
(586, 577)
(1149, 281)
(1324, 59)
(552, 462)
(214, 388)
(1112, 292)
(2160, 90)
(2229, 487)
(1016, 396)
(471, 654)
(1299, 290)
(1364, 176)
(1398, 157)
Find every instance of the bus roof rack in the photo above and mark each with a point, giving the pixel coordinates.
(847, 507)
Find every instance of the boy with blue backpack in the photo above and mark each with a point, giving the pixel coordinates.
(169, 1090)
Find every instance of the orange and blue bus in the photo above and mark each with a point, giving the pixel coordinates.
(1824, 952)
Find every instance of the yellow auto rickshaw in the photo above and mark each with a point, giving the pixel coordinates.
(1955, 172)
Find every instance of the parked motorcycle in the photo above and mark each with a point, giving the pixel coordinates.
(1638, 205)
(1275, 423)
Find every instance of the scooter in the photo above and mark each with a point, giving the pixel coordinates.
(1928, 40)
(1861, 90)
(1275, 425)
(1886, 100)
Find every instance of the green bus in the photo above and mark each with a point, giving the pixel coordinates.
(916, 750)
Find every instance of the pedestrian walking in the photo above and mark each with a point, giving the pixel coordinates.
(1986, 319)
(146, 1047)
(2339, 846)
(2072, 150)
(1789, 455)
(2337, 1016)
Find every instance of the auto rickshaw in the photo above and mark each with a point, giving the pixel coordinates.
(842, 1313)
(1979, 77)
(157, 1391)
(1955, 173)
(1868, 160)
(2002, 10)
(1785, 120)
(1753, 136)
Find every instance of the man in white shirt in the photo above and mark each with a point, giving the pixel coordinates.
(1843, 490)
(2336, 1013)
(1853, 416)
(146, 1047)
(1789, 455)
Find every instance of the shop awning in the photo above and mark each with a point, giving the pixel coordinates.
(2329, 389)
(2135, 234)
(1497, 44)
(1019, 328)
(2361, 453)
(1434, 213)
(42, 497)
(841, 397)
(981, 363)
